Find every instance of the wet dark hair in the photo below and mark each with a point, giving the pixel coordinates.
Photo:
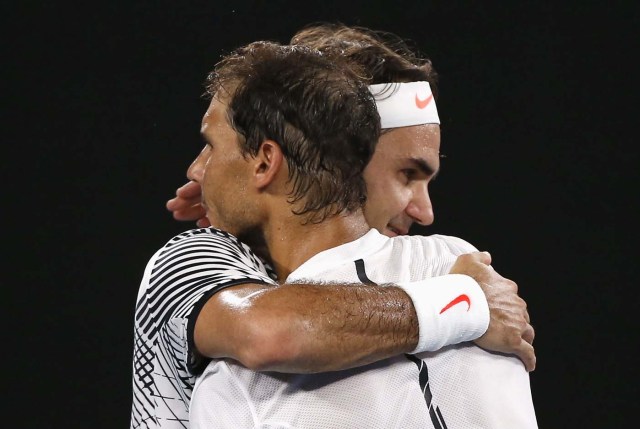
(315, 106)
(384, 56)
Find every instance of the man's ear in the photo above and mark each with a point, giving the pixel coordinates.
(269, 162)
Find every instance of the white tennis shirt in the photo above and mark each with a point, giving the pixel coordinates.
(460, 386)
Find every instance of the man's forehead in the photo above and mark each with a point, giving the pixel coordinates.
(418, 145)
(214, 112)
(415, 141)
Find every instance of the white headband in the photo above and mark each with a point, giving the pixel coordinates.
(405, 104)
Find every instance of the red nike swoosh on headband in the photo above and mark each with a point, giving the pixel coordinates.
(457, 300)
(421, 104)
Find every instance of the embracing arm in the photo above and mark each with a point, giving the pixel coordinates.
(298, 328)
(306, 328)
(309, 328)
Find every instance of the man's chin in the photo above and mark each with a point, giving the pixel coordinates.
(392, 231)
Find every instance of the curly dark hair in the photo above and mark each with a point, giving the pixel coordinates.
(315, 106)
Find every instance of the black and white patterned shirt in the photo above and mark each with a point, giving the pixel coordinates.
(178, 279)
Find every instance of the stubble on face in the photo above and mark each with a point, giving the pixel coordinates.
(225, 177)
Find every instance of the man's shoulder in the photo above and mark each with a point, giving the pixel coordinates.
(437, 243)
(210, 233)
(207, 253)
(207, 245)
(206, 237)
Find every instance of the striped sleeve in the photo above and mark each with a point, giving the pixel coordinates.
(187, 270)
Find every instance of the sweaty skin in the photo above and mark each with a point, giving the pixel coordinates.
(405, 161)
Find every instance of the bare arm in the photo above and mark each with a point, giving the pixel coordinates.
(298, 328)
(316, 328)
(307, 328)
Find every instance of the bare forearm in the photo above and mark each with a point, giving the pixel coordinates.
(337, 327)
(313, 328)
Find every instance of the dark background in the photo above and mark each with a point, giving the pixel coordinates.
(103, 111)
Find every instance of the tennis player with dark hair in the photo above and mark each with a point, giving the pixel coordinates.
(289, 134)
(182, 279)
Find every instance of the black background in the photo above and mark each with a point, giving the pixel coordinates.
(102, 116)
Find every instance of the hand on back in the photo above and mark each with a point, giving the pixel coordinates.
(510, 330)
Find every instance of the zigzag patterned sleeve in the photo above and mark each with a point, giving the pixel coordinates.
(178, 279)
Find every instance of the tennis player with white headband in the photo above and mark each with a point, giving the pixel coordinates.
(238, 387)
(405, 160)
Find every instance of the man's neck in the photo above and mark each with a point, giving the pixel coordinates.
(291, 243)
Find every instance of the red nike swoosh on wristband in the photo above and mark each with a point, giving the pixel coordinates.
(457, 300)
(421, 104)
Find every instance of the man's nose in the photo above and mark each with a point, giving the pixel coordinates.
(420, 208)
(196, 169)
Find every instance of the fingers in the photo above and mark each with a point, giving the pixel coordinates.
(187, 195)
(190, 213)
(528, 334)
(175, 204)
(510, 329)
(189, 190)
(186, 206)
(203, 222)
(527, 355)
(179, 203)
(482, 257)
(474, 264)
(485, 257)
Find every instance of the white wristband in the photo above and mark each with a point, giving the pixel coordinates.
(451, 309)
